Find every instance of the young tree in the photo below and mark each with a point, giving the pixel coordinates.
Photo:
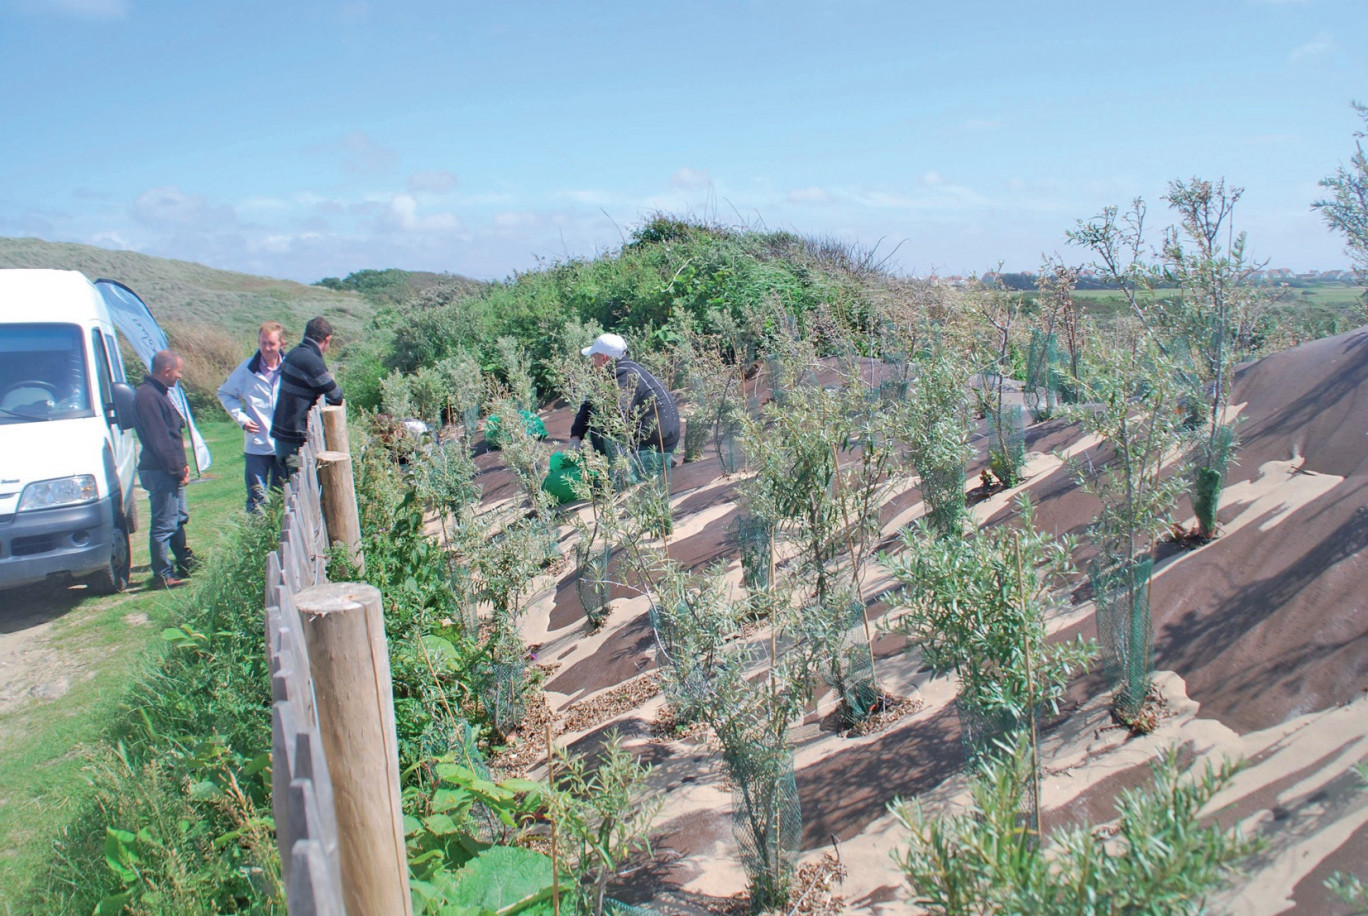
(1059, 316)
(934, 429)
(976, 607)
(1346, 211)
(999, 311)
(1160, 858)
(1133, 396)
(602, 810)
(1204, 319)
(829, 507)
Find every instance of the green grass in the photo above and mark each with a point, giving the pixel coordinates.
(42, 743)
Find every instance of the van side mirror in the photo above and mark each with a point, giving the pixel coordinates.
(125, 413)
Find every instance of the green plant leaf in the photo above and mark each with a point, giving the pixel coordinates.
(114, 904)
(504, 879)
(440, 824)
(119, 854)
(443, 655)
(446, 799)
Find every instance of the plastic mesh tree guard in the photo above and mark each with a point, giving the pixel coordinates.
(1121, 596)
(858, 686)
(651, 469)
(669, 634)
(470, 420)
(1043, 363)
(754, 537)
(503, 691)
(695, 437)
(778, 379)
(729, 453)
(942, 490)
(894, 380)
(591, 580)
(1210, 465)
(767, 820)
(1007, 444)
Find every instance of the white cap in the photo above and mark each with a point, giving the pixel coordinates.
(610, 345)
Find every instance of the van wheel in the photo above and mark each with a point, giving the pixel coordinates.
(131, 523)
(114, 577)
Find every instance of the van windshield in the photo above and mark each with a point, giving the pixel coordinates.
(43, 373)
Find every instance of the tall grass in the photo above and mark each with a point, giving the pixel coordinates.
(176, 822)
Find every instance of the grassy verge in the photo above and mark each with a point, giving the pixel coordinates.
(101, 647)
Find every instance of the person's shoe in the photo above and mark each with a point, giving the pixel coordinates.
(187, 565)
(168, 582)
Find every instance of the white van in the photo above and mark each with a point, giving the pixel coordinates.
(68, 453)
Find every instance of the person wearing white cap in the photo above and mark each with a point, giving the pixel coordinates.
(652, 407)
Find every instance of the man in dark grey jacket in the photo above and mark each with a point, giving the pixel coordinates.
(163, 471)
(649, 409)
(304, 378)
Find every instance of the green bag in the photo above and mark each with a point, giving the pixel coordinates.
(563, 472)
(494, 427)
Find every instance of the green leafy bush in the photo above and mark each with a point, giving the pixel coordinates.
(1159, 859)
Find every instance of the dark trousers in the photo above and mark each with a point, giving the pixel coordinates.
(166, 530)
(646, 463)
(287, 453)
(261, 473)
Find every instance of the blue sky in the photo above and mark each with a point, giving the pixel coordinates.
(303, 138)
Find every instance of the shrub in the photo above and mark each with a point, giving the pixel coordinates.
(1159, 859)
(935, 428)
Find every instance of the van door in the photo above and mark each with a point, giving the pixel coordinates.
(109, 369)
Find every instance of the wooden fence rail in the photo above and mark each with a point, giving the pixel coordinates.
(314, 862)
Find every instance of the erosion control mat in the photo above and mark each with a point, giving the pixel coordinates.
(1260, 637)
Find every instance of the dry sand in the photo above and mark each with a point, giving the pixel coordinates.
(1261, 641)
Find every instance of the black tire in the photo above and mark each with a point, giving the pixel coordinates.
(114, 577)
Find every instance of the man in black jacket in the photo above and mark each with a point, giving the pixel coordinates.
(304, 379)
(163, 471)
(653, 419)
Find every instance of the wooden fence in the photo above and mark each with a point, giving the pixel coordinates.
(328, 868)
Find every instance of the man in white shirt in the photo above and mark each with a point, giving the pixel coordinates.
(249, 395)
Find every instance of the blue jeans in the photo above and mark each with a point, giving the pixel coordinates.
(261, 472)
(166, 531)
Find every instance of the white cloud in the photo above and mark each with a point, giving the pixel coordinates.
(362, 154)
(169, 207)
(812, 195)
(111, 239)
(402, 213)
(511, 220)
(687, 179)
(262, 205)
(1317, 46)
(438, 181)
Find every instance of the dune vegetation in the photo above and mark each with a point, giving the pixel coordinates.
(878, 437)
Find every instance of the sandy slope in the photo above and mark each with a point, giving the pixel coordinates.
(1261, 638)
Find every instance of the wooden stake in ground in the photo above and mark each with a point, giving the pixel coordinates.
(335, 428)
(344, 630)
(340, 513)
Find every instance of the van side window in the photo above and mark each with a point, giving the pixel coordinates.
(102, 372)
(116, 366)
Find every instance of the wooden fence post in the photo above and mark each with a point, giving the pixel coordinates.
(335, 428)
(340, 513)
(344, 630)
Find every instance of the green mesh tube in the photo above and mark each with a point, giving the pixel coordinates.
(1121, 596)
